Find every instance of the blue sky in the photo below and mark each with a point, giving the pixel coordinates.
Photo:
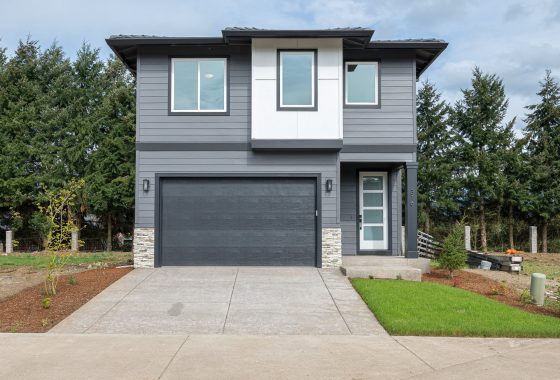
(518, 40)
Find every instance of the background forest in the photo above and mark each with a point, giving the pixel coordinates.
(63, 118)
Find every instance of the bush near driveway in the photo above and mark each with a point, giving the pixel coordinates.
(421, 308)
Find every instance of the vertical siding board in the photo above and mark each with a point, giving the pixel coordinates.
(156, 125)
(378, 125)
(150, 163)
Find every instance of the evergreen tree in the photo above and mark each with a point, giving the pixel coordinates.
(82, 133)
(21, 107)
(478, 118)
(110, 181)
(435, 145)
(542, 143)
(514, 189)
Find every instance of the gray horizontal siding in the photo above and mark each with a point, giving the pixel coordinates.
(393, 121)
(151, 162)
(349, 208)
(154, 124)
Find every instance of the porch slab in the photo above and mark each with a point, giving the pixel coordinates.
(388, 272)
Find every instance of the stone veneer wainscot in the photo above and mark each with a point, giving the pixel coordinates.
(332, 247)
(144, 248)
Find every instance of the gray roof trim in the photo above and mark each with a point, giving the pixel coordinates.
(124, 40)
(426, 50)
(379, 148)
(360, 35)
(296, 144)
(125, 47)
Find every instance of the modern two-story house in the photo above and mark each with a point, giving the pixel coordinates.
(275, 147)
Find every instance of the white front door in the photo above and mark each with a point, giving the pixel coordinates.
(373, 207)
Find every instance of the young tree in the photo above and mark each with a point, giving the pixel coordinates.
(542, 142)
(435, 145)
(110, 188)
(453, 254)
(60, 227)
(478, 118)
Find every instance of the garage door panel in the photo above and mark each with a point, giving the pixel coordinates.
(251, 256)
(254, 220)
(241, 238)
(238, 221)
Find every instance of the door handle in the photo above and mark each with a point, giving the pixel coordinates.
(360, 221)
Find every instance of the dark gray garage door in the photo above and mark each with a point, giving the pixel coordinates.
(237, 221)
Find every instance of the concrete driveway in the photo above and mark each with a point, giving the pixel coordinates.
(226, 300)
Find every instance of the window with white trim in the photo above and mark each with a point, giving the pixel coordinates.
(198, 84)
(297, 79)
(361, 83)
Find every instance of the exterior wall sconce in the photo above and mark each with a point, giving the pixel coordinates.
(146, 185)
(329, 185)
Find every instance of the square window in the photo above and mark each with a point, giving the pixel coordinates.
(362, 82)
(373, 216)
(373, 199)
(373, 233)
(198, 84)
(297, 79)
(373, 183)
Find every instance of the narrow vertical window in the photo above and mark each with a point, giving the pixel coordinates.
(198, 84)
(362, 83)
(297, 79)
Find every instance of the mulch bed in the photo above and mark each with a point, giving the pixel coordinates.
(489, 288)
(23, 311)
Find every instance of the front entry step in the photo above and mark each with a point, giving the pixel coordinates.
(383, 271)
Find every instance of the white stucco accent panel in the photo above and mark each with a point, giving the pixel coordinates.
(269, 123)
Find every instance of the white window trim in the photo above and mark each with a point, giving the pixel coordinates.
(198, 110)
(376, 89)
(296, 52)
(375, 245)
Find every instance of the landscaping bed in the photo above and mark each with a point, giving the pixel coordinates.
(436, 309)
(23, 312)
(22, 270)
(500, 291)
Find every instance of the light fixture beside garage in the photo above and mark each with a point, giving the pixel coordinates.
(329, 185)
(146, 185)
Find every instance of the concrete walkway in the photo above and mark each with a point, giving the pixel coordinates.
(94, 356)
(226, 300)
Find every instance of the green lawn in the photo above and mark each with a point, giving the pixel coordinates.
(423, 308)
(39, 261)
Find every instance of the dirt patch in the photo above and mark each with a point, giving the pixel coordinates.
(496, 290)
(23, 312)
(14, 280)
(517, 281)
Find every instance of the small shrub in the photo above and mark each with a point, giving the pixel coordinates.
(46, 303)
(525, 296)
(453, 255)
(45, 322)
(371, 277)
(498, 290)
(399, 277)
(14, 328)
(72, 280)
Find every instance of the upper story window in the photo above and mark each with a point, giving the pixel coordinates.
(198, 85)
(362, 84)
(297, 84)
